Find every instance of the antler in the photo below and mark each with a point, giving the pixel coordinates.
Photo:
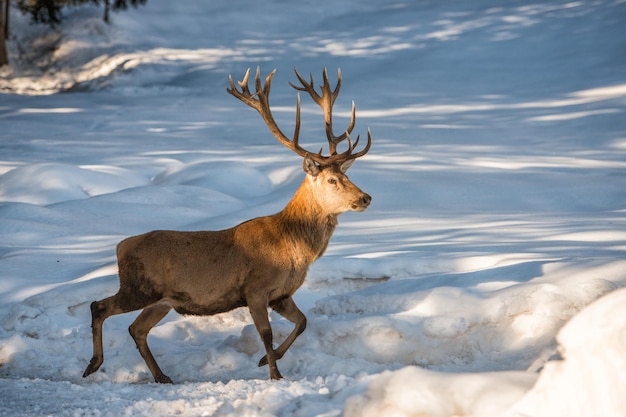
(326, 102)
(259, 100)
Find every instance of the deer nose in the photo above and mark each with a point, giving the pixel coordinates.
(366, 199)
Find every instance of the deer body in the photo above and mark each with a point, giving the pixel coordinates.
(259, 263)
(196, 272)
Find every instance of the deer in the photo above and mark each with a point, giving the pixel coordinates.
(259, 263)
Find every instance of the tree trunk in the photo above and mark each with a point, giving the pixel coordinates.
(4, 56)
(7, 3)
(106, 11)
(52, 11)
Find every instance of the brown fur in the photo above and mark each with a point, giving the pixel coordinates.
(259, 263)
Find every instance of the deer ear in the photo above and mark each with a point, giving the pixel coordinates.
(310, 167)
(344, 167)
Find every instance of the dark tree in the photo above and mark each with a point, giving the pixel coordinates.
(119, 5)
(4, 31)
(7, 3)
(49, 11)
(42, 11)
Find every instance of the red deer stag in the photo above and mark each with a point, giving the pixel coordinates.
(259, 263)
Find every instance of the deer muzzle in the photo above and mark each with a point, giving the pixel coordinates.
(362, 202)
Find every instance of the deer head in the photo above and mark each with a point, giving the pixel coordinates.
(325, 174)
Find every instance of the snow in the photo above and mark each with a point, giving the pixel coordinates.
(484, 280)
(592, 371)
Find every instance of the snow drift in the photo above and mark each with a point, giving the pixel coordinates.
(585, 380)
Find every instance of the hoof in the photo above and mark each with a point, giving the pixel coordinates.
(94, 365)
(275, 374)
(263, 361)
(163, 379)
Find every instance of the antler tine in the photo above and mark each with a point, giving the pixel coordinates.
(352, 121)
(244, 83)
(296, 130)
(367, 147)
(307, 86)
(326, 86)
(326, 101)
(266, 86)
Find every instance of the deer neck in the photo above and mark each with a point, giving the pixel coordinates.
(307, 223)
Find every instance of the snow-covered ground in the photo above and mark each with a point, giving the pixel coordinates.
(498, 177)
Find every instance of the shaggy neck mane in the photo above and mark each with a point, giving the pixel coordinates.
(307, 222)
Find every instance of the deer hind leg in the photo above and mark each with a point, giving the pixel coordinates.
(258, 311)
(100, 310)
(139, 330)
(289, 310)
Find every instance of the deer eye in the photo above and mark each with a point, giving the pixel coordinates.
(332, 181)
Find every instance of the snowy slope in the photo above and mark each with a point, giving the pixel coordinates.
(498, 176)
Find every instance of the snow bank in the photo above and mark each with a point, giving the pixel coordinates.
(463, 320)
(413, 391)
(588, 379)
(44, 184)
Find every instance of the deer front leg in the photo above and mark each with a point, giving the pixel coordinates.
(258, 311)
(289, 310)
